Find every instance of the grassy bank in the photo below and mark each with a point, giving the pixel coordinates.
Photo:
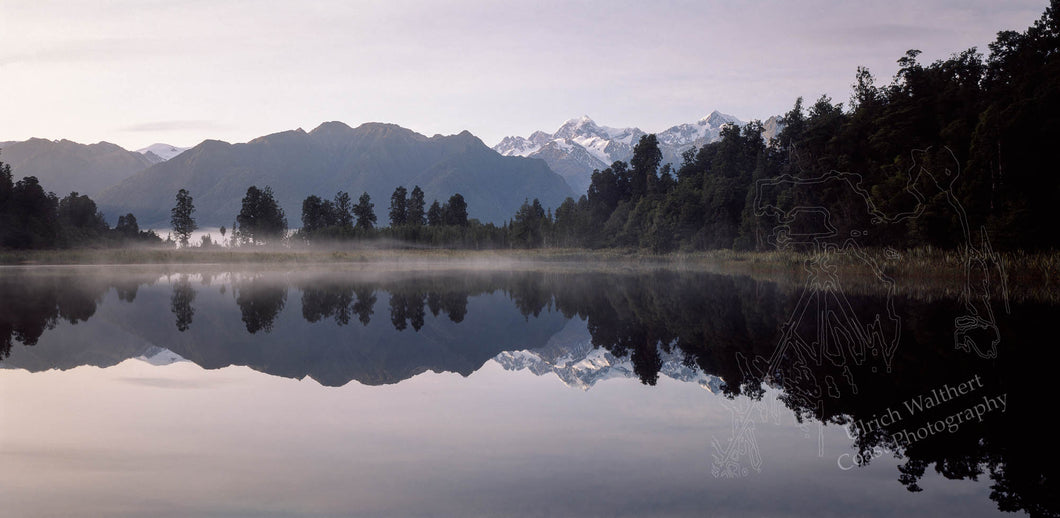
(282, 256)
(911, 269)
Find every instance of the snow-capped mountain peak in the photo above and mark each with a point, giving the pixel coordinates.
(704, 131)
(718, 119)
(571, 356)
(580, 365)
(540, 137)
(582, 126)
(580, 145)
(163, 151)
(517, 146)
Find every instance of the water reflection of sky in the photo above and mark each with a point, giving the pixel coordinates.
(178, 440)
(399, 415)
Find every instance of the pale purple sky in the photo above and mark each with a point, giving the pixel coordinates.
(135, 72)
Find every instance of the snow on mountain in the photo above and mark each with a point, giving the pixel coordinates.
(571, 356)
(158, 356)
(581, 145)
(582, 132)
(704, 131)
(163, 151)
(516, 146)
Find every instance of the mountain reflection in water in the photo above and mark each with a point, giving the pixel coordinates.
(855, 360)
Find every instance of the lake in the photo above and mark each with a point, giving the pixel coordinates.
(558, 390)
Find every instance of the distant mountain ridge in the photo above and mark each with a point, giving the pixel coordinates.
(63, 166)
(374, 158)
(580, 145)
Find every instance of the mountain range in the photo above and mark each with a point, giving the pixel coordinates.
(374, 158)
(581, 146)
(571, 356)
(104, 325)
(63, 166)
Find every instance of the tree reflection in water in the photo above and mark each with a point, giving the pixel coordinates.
(260, 300)
(31, 305)
(731, 327)
(180, 302)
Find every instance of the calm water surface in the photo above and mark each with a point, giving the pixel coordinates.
(208, 392)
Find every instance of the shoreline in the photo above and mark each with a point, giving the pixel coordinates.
(918, 270)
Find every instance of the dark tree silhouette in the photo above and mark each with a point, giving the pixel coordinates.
(416, 215)
(435, 215)
(261, 220)
(325, 300)
(399, 210)
(180, 303)
(343, 209)
(454, 212)
(365, 305)
(128, 228)
(364, 211)
(260, 301)
(181, 218)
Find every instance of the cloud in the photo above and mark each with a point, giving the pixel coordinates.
(173, 125)
(82, 50)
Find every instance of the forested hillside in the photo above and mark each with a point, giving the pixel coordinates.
(938, 155)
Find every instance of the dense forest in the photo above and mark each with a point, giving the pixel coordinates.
(942, 152)
(411, 222)
(946, 154)
(950, 154)
(31, 218)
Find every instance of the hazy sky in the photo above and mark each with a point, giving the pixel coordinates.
(135, 72)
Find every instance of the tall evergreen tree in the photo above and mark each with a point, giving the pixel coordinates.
(261, 220)
(364, 211)
(530, 225)
(343, 209)
(416, 214)
(7, 187)
(315, 214)
(644, 165)
(128, 228)
(80, 219)
(435, 215)
(455, 211)
(399, 212)
(181, 217)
